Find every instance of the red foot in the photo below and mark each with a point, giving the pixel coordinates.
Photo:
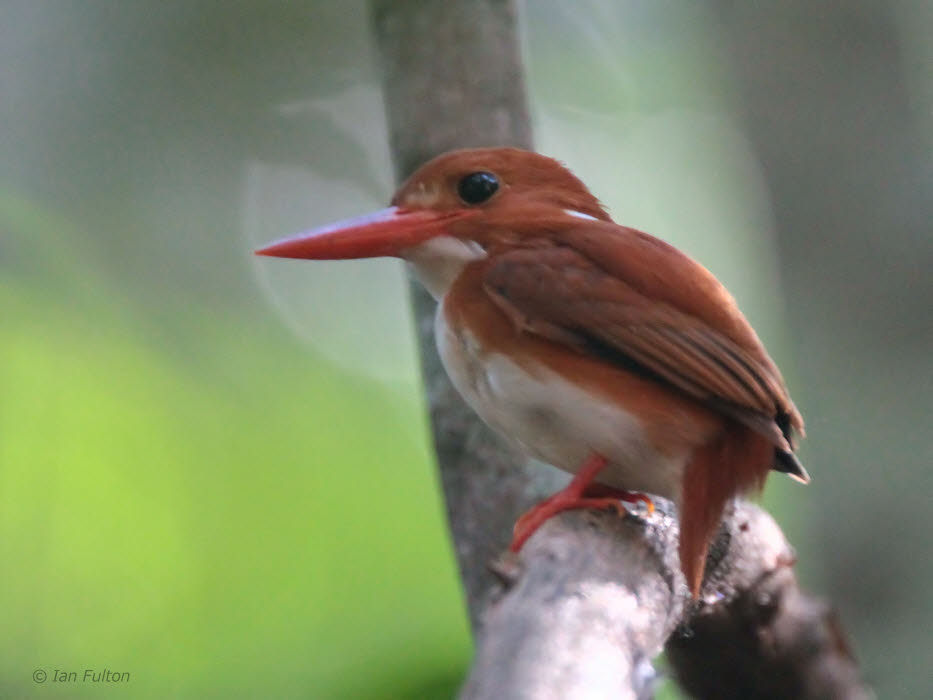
(579, 493)
(602, 491)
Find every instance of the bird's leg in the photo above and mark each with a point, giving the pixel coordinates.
(603, 491)
(581, 492)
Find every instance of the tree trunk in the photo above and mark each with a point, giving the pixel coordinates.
(453, 79)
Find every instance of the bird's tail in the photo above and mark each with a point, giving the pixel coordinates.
(736, 462)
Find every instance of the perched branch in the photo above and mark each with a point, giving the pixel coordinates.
(593, 599)
(768, 639)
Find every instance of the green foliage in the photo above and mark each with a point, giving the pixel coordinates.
(197, 499)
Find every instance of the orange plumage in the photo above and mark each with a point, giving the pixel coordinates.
(584, 341)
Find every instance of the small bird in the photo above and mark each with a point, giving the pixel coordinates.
(598, 348)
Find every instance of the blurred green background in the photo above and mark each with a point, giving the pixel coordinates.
(215, 470)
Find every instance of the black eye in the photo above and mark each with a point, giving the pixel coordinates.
(477, 187)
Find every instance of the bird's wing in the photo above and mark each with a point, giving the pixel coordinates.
(561, 293)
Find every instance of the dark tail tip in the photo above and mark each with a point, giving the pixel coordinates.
(787, 463)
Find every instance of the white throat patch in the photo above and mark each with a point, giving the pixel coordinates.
(438, 261)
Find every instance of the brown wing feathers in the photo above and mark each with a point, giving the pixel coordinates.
(559, 293)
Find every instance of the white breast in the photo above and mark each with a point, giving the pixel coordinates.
(554, 420)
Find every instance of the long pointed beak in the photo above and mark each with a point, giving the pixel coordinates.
(383, 233)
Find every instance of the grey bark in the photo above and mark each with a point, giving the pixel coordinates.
(593, 597)
(452, 78)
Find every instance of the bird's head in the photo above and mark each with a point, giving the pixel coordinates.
(461, 203)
